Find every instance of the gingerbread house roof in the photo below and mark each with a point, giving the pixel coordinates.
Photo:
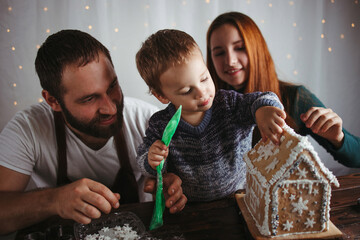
(270, 162)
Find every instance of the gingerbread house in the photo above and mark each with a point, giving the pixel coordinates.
(288, 187)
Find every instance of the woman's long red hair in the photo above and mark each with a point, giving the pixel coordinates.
(262, 74)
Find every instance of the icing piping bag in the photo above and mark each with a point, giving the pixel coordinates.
(157, 218)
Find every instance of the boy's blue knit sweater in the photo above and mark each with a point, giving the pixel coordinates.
(209, 157)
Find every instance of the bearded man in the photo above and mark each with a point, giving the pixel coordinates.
(76, 151)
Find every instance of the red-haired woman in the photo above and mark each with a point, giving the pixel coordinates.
(238, 59)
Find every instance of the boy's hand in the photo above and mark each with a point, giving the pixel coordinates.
(325, 123)
(157, 152)
(270, 121)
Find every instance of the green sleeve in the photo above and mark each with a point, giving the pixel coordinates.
(348, 154)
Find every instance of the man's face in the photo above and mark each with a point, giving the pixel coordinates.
(92, 102)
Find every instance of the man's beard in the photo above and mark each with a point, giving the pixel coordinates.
(92, 128)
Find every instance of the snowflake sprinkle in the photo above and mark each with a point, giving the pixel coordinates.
(309, 222)
(288, 225)
(302, 173)
(292, 197)
(300, 206)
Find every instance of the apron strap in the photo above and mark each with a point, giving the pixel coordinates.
(62, 177)
(125, 182)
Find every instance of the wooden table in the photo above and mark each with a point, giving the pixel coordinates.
(221, 219)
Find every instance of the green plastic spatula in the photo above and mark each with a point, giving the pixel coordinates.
(157, 218)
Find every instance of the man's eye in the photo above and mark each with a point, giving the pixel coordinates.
(89, 99)
(114, 84)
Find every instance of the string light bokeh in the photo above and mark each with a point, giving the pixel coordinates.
(314, 43)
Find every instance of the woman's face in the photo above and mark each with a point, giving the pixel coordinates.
(229, 55)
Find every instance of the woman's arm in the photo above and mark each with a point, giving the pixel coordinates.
(347, 151)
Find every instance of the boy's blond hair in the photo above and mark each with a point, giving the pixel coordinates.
(162, 50)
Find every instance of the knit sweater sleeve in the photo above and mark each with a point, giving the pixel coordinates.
(348, 153)
(244, 106)
(157, 124)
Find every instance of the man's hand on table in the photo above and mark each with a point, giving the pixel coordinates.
(84, 200)
(175, 200)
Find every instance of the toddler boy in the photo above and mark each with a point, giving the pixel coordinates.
(215, 129)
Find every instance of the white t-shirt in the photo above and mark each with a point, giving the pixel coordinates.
(28, 145)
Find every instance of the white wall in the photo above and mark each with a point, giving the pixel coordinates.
(314, 43)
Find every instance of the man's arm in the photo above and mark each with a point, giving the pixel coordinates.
(19, 209)
(81, 201)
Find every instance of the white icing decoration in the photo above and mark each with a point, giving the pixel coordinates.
(272, 165)
(292, 197)
(315, 192)
(300, 206)
(265, 151)
(288, 225)
(252, 151)
(310, 188)
(311, 213)
(276, 151)
(301, 173)
(285, 191)
(288, 144)
(257, 188)
(309, 222)
(254, 200)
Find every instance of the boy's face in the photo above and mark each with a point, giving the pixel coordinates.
(190, 85)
